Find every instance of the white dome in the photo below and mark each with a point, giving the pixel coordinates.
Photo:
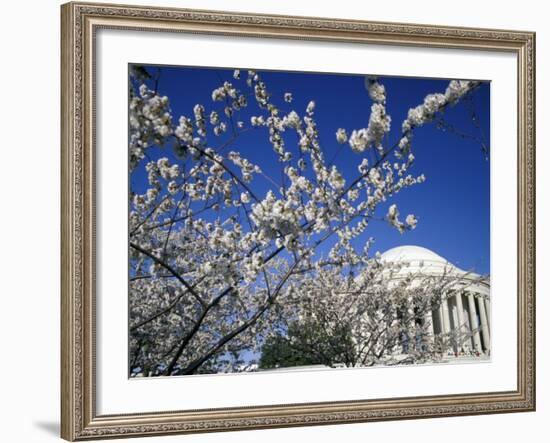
(416, 259)
(419, 259)
(411, 253)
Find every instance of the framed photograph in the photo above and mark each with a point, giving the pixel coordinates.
(277, 221)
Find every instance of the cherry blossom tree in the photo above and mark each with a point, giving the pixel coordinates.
(382, 315)
(213, 261)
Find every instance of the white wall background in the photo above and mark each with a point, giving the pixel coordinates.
(29, 245)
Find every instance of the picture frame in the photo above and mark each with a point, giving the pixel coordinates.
(80, 241)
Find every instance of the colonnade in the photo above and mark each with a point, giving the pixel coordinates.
(465, 316)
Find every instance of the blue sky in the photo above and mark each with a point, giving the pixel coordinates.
(452, 205)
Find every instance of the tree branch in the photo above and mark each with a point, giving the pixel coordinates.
(169, 268)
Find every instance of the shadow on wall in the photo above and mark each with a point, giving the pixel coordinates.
(50, 427)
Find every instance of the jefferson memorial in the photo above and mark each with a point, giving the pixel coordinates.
(465, 307)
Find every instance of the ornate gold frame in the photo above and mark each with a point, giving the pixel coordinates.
(79, 21)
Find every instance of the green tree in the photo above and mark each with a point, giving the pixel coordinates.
(308, 343)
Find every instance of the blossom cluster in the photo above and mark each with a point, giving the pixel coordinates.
(150, 122)
(433, 103)
(379, 121)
